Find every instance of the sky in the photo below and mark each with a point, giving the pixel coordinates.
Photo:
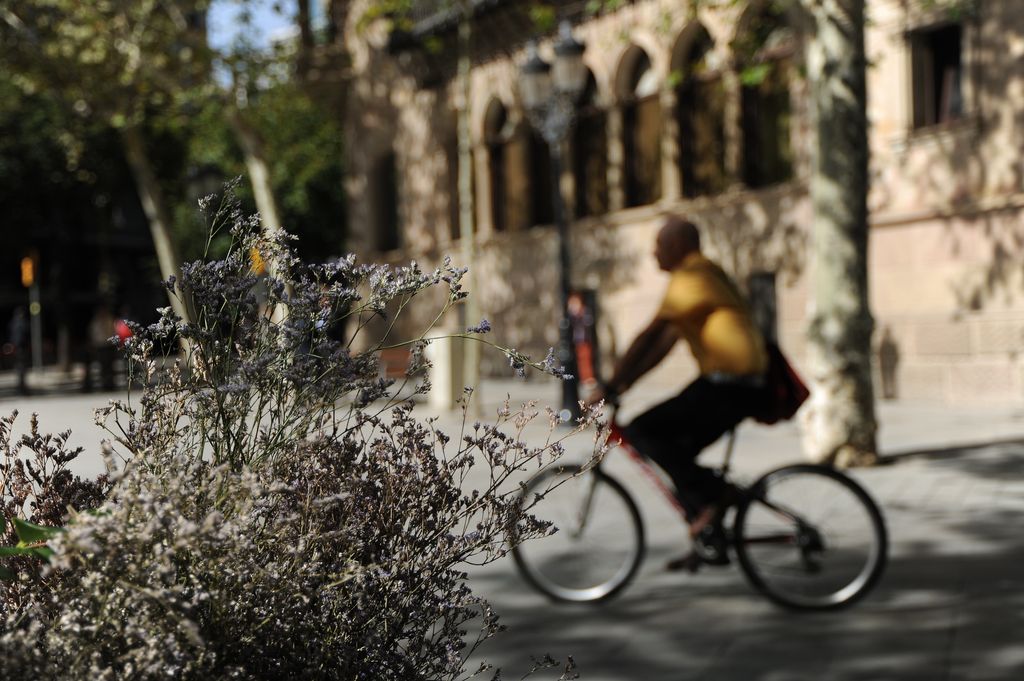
(271, 18)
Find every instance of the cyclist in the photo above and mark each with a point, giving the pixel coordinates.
(704, 307)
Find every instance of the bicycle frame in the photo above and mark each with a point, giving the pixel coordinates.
(618, 436)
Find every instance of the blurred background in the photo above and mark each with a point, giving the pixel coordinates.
(114, 121)
(398, 130)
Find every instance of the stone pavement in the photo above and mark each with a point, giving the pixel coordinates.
(950, 606)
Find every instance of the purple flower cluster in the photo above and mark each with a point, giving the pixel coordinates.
(483, 327)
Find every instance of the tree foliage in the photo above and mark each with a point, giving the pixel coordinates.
(303, 143)
(106, 59)
(143, 65)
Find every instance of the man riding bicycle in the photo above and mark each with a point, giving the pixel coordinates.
(704, 307)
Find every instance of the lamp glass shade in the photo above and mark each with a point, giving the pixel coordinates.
(569, 74)
(535, 80)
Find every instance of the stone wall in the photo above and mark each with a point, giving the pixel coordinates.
(947, 242)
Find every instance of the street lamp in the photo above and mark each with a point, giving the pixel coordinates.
(550, 94)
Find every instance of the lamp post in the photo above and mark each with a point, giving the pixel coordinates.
(550, 93)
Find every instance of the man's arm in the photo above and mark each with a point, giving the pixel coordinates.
(644, 353)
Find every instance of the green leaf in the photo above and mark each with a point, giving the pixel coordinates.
(5, 574)
(29, 533)
(544, 17)
(433, 45)
(753, 76)
(43, 552)
(15, 551)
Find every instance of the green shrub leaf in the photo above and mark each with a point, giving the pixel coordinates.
(29, 533)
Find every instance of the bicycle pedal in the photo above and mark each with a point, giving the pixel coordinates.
(712, 545)
(715, 559)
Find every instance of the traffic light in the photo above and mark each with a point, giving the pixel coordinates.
(28, 271)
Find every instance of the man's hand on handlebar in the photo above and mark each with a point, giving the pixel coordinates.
(602, 392)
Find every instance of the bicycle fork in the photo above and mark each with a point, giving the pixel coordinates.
(588, 500)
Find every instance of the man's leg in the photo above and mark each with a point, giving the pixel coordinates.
(675, 432)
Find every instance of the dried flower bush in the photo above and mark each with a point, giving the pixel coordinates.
(36, 486)
(280, 512)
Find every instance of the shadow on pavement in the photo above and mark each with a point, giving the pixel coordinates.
(960, 451)
(950, 606)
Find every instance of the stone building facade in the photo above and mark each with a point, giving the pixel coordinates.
(704, 112)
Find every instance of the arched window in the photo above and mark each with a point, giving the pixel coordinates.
(520, 173)
(764, 50)
(590, 154)
(496, 136)
(700, 112)
(641, 125)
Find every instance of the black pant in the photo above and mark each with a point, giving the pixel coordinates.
(674, 433)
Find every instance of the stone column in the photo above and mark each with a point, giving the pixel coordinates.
(616, 160)
(671, 177)
(484, 200)
(733, 126)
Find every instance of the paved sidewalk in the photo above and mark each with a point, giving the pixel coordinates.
(950, 607)
(49, 380)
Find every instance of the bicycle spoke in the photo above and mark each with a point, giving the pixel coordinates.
(810, 538)
(599, 542)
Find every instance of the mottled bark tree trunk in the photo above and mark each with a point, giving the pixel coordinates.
(155, 207)
(304, 19)
(259, 170)
(840, 423)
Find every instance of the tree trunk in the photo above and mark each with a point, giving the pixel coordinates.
(259, 170)
(337, 15)
(306, 39)
(263, 191)
(155, 207)
(840, 419)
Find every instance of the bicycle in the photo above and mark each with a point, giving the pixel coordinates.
(787, 533)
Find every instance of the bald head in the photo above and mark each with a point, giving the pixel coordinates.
(677, 238)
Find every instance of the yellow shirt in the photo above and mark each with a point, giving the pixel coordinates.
(704, 306)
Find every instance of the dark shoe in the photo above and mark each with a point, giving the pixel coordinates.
(713, 513)
(690, 562)
(711, 545)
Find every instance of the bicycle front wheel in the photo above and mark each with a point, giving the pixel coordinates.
(599, 540)
(810, 538)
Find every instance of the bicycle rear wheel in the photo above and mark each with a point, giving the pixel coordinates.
(810, 538)
(599, 542)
